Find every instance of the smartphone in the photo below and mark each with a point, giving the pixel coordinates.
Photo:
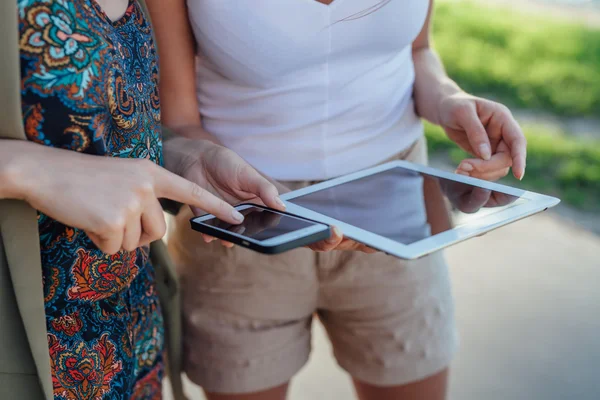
(264, 230)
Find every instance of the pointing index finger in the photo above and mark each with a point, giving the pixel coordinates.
(171, 186)
(476, 133)
(515, 139)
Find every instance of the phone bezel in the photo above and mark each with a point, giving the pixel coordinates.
(315, 232)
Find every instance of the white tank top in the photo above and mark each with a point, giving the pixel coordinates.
(306, 91)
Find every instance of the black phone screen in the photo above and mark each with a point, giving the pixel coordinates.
(260, 224)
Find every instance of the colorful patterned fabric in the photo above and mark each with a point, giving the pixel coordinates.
(90, 85)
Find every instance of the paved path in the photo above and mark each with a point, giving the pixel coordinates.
(528, 308)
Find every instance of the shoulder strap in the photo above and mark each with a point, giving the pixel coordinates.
(18, 221)
(10, 96)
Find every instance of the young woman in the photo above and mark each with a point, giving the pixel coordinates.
(92, 167)
(306, 90)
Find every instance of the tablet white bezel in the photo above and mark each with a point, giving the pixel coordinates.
(536, 203)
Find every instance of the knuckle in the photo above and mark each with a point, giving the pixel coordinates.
(113, 224)
(110, 250)
(504, 110)
(141, 174)
(145, 187)
(108, 247)
(129, 247)
(245, 171)
(197, 192)
(160, 232)
(501, 108)
(133, 206)
(462, 110)
(223, 206)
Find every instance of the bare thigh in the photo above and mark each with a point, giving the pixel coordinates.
(277, 393)
(432, 388)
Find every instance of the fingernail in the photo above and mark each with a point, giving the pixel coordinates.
(237, 216)
(208, 239)
(465, 167)
(280, 202)
(461, 172)
(336, 233)
(484, 151)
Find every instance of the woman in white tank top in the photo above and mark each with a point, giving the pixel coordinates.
(306, 90)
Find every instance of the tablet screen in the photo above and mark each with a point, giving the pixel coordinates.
(406, 206)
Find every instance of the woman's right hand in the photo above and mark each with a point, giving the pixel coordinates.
(337, 241)
(114, 200)
(470, 199)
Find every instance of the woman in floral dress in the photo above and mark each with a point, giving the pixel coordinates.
(90, 105)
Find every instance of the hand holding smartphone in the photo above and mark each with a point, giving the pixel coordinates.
(264, 230)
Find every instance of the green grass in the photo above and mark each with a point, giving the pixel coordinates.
(557, 165)
(525, 60)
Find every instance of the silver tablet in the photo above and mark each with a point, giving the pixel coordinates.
(402, 208)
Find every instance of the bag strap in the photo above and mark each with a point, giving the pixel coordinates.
(18, 221)
(10, 95)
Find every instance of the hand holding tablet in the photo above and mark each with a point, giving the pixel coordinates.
(271, 231)
(385, 207)
(470, 199)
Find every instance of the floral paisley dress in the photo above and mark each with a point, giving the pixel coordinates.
(90, 85)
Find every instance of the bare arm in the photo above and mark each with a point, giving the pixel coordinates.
(481, 127)
(431, 81)
(11, 166)
(179, 105)
(80, 190)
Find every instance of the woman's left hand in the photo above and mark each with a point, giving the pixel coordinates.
(220, 171)
(225, 174)
(487, 130)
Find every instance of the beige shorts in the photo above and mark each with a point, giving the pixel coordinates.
(247, 316)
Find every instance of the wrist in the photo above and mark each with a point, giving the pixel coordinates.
(16, 177)
(446, 89)
(175, 152)
(194, 131)
(181, 152)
